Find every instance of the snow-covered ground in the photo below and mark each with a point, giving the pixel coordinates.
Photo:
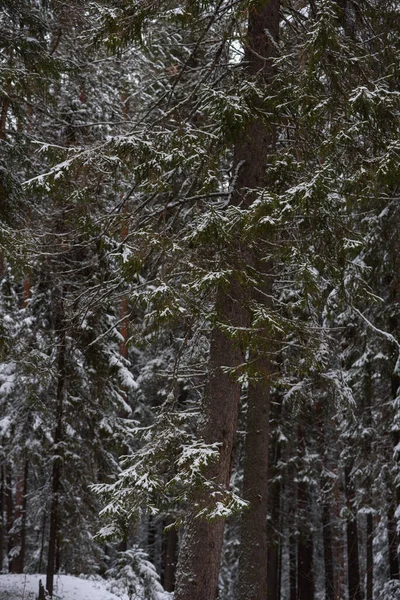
(67, 587)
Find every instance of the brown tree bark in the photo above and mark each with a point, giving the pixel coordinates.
(253, 550)
(200, 554)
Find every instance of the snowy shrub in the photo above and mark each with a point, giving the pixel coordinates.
(133, 574)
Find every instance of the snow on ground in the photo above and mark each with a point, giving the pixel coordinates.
(66, 587)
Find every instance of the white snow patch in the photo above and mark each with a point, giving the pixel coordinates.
(66, 587)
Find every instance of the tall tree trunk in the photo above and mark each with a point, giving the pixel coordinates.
(274, 562)
(2, 528)
(57, 461)
(392, 541)
(42, 539)
(253, 549)
(305, 542)
(19, 521)
(370, 557)
(200, 554)
(293, 567)
(24, 513)
(9, 512)
(305, 574)
(353, 567)
(328, 553)
(393, 538)
(339, 542)
(170, 560)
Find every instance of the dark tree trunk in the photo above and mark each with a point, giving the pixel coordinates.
(43, 535)
(58, 553)
(57, 463)
(274, 544)
(353, 567)
(10, 513)
(273, 573)
(328, 553)
(2, 528)
(19, 526)
(151, 539)
(171, 551)
(305, 575)
(200, 553)
(293, 567)
(253, 549)
(3, 115)
(392, 540)
(339, 547)
(305, 542)
(370, 556)
(24, 514)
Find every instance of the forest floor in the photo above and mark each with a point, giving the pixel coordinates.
(66, 587)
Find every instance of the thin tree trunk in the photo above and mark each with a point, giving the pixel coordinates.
(200, 554)
(305, 575)
(9, 512)
(274, 570)
(274, 542)
(305, 542)
(42, 542)
(293, 567)
(328, 553)
(58, 553)
(392, 541)
(367, 414)
(339, 543)
(353, 567)
(370, 556)
(24, 514)
(2, 528)
(393, 538)
(170, 560)
(57, 462)
(19, 521)
(3, 117)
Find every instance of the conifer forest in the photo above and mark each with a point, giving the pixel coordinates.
(200, 297)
